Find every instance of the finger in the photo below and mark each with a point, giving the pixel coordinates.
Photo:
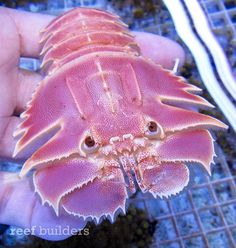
(27, 82)
(15, 193)
(26, 27)
(25, 86)
(16, 96)
(160, 49)
(7, 141)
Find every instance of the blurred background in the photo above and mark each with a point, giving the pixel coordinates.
(204, 215)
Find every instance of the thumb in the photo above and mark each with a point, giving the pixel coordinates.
(20, 206)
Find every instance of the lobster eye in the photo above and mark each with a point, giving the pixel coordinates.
(89, 145)
(89, 142)
(152, 127)
(154, 130)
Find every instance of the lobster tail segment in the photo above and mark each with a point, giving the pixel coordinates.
(82, 31)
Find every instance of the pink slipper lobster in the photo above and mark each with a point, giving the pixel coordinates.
(105, 117)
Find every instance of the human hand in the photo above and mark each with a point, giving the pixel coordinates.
(19, 37)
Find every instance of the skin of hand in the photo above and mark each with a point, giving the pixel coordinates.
(19, 37)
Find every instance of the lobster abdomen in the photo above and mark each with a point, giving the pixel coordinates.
(83, 31)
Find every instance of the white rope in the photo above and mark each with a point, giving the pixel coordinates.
(183, 28)
(204, 31)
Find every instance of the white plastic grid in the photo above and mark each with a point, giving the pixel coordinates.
(205, 215)
(221, 14)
